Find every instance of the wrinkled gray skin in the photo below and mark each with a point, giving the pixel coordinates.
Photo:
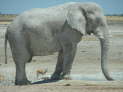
(41, 32)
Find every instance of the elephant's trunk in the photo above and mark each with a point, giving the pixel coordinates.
(104, 55)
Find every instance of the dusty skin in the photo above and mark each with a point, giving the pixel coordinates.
(86, 73)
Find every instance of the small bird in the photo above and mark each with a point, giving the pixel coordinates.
(41, 72)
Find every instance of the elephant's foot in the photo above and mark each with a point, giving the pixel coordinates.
(55, 77)
(22, 82)
(109, 79)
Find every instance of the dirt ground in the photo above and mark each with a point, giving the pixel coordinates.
(86, 72)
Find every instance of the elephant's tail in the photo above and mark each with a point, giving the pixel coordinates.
(5, 47)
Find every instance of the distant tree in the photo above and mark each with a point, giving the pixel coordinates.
(114, 14)
(121, 14)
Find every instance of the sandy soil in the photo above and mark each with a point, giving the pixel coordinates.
(86, 72)
(67, 86)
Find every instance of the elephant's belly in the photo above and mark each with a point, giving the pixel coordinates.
(43, 47)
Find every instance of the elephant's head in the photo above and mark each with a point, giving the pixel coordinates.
(88, 18)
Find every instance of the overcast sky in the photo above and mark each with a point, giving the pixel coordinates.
(18, 6)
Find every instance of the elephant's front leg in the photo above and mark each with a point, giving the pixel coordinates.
(59, 66)
(69, 54)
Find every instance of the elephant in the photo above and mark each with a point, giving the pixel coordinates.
(43, 31)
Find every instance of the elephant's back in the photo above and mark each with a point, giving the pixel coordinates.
(39, 16)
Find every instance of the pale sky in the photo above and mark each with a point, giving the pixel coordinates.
(18, 6)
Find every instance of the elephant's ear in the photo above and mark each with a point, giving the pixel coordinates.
(76, 19)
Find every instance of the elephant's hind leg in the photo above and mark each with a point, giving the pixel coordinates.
(21, 56)
(21, 78)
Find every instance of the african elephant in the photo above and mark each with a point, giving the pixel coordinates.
(39, 32)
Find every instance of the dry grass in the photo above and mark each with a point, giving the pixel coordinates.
(4, 22)
(118, 35)
(114, 18)
(6, 19)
